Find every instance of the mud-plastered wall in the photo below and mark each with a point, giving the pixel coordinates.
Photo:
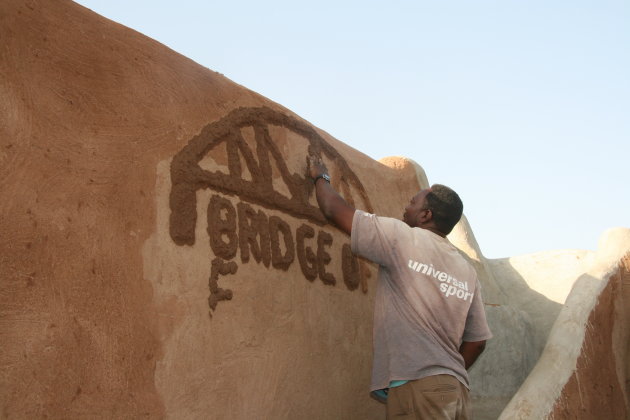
(598, 386)
(583, 369)
(161, 252)
(258, 297)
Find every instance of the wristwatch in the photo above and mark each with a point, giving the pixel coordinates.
(325, 176)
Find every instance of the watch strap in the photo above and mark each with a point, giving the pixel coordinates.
(326, 178)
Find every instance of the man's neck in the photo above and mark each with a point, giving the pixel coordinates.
(434, 230)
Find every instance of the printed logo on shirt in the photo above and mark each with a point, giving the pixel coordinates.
(449, 286)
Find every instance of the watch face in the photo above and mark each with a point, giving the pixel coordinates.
(326, 177)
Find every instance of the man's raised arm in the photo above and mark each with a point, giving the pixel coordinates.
(334, 207)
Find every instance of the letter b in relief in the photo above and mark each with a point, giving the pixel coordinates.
(222, 227)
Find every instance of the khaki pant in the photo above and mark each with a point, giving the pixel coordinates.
(433, 398)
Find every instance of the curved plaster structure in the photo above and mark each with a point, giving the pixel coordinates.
(583, 370)
(161, 255)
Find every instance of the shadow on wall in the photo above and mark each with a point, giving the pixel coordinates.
(520, 319)
(596, 387)
(583, 371)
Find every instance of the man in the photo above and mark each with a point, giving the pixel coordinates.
(429, 321)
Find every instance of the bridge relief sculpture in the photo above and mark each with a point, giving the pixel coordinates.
(268, 240)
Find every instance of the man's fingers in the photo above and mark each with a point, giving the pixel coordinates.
(315, 165)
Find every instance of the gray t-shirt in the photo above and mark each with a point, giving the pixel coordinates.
(427, 302)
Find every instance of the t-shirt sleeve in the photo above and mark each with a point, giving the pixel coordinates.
(375, 238)
(476, 324)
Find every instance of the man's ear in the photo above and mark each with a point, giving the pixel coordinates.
(425, 216)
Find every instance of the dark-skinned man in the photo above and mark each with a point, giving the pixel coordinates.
(429, 321)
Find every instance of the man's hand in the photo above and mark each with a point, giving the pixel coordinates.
(470, 351)
(334, 207)
(315, 166)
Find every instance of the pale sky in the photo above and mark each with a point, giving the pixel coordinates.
(523, 107)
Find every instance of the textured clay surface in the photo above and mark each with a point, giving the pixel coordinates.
(594, 390)
(161, 253)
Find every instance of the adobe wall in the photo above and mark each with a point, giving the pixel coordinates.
(262, 309)
(583, 370)
(162, 254)
(595, 390)
(527, 298)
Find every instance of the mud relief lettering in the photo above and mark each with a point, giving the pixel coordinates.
(350, 267)
(270, 238)
(306, 256)
(219, 267)
(324, 240)
(253, 169)
(277, 228)
(222, 227)
(253, 234)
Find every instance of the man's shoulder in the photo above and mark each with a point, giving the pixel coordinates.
(385, 221)
(368, 226)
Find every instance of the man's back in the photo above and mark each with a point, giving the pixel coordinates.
(424, 294)
(429, 321)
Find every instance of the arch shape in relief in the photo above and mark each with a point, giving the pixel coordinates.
(187, 176)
